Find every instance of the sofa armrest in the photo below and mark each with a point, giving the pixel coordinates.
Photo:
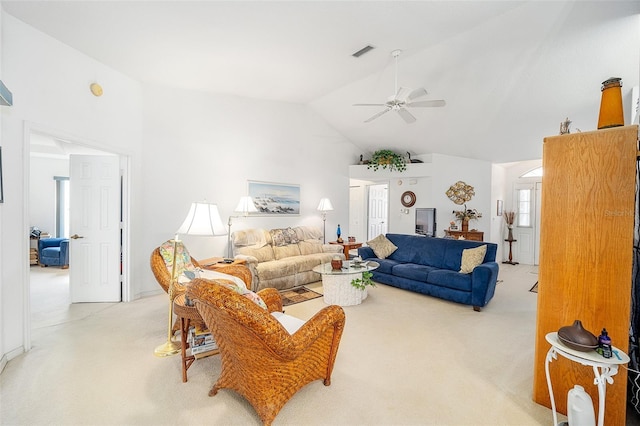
(252, 263)
(64, 252)
(366, 253)
(246, 258)
(483, 283)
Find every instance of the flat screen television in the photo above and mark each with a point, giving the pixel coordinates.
(426, 222)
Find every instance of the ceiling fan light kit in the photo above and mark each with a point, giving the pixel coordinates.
(403, 99)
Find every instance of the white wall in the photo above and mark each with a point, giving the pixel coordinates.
(42, 191)
(430, 181)
(498, 192)
(195, 146)
(449, 170)
(50, 85)
(205, 146)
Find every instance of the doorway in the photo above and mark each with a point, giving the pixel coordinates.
(47, 160)
(378, 211)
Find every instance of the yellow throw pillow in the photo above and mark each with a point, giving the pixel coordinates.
(382, 247)
(472, 258)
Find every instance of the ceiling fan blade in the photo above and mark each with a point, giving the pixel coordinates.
(417, 93)
(369, 104)
(406, 115)
(402, 93)
(377, 115)
(434, 103)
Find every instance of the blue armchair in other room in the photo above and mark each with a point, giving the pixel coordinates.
(54, 251)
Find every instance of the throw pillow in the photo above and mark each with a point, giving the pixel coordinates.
(278, 237)
(183, 259)
(290, 236)
(254, 297)
(472, 258)
(382, 247)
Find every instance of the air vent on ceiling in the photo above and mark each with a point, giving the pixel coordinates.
(362, 51)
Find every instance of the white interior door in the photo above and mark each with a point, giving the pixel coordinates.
(94, 257)
(378, 210)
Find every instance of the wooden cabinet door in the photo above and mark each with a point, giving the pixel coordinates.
(587, 219)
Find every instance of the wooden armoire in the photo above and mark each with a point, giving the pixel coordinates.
(586, 252)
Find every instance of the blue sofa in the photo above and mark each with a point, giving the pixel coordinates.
(54, 252)
(431, 266)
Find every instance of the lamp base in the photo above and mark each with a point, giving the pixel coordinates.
(169, 348)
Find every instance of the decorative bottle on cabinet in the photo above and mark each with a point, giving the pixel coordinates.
(586, 268)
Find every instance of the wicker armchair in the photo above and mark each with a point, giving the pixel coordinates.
(260, 359)
(163, 276)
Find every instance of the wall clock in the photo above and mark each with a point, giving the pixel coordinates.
(408, 199)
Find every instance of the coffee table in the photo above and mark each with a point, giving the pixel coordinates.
(336, 284)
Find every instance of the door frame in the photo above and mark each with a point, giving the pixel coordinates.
(125, 167)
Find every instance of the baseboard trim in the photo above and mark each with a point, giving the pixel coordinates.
(9, 356)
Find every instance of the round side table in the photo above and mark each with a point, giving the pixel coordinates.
(186, 315)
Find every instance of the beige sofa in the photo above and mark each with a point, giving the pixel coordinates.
(283, 258)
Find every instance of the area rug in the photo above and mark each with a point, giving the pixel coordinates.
(297, 295)
(534, 289)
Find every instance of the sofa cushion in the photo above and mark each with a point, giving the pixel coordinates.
(262, 254)
(306, 233)
(386, 266)
(471, 258)
(310, 247)
(381, 246)
(450, 279)
(413, 271)
(255, 238)
(288, 250)
(276, 269)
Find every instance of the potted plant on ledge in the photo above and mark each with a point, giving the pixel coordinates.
(387, 159)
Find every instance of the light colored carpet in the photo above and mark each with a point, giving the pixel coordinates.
(405, 359)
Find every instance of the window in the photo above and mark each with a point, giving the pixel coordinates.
(537, 172)
(62, 206)
(524, 207)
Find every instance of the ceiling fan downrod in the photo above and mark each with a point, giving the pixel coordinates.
(395, 54)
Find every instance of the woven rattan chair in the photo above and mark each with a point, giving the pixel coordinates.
(260, 359)
(163, 276)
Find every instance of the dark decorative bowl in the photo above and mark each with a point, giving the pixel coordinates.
(576, 337)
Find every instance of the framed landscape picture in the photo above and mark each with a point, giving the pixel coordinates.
(275, 198)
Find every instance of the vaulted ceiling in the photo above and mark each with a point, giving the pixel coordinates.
(510, 71)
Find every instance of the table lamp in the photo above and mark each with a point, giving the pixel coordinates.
(245, 206)
(203, 219)
(324, 207)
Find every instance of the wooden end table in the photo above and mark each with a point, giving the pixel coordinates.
(347, 246)
(218, 262)
(186, 315)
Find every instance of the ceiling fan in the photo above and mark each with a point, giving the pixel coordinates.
(404, 98)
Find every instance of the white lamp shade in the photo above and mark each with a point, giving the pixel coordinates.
(325, 205)
(246, 206)
(203, 219)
